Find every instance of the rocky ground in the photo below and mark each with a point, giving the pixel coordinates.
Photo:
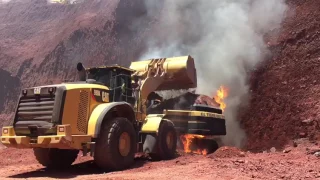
(300, 162)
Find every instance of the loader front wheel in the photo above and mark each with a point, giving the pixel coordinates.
(166, 144)
(116, 145)
(55, 158)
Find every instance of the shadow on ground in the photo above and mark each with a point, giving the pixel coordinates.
(85, 168)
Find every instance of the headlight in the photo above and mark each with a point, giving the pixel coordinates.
(24, 92)
(61, 129)
(5, 131)
(51, 90)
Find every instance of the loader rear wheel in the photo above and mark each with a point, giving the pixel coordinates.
(55, 158)
(166, 144)
(116, 145)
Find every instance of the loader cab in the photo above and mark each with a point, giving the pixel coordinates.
(116, 78)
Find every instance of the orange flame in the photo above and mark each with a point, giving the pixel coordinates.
(222, 93)
(201, 152)
(187, 140)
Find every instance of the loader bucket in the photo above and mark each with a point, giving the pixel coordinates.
(181, 72)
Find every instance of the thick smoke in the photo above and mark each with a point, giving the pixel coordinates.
(51, 1)
(224, 37)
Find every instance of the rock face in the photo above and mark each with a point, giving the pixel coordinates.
(44, 45)
(285, 89)
(9, 89)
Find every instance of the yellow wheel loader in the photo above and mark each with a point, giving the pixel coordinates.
(105, 114)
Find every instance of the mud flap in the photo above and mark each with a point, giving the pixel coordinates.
(150, 143)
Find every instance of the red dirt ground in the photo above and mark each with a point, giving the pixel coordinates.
(226, 163)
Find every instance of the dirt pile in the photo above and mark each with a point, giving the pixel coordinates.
(285, 89)
(227, 152)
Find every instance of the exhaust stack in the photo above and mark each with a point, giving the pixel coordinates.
(81, 72)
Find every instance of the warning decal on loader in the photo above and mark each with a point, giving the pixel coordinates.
(100, 95)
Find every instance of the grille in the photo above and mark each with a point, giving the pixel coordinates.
(83, 111)
(35, 108)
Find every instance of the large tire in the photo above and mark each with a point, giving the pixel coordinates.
(55, 158)
(166, 145)
(212, 146)
(108, 153)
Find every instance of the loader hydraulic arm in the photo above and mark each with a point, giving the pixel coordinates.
(163, 74)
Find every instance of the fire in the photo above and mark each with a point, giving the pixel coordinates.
(201, 152)
(222, 93)
(187, 139)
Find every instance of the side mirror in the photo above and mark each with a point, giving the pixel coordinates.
(80, 66)
(81, 72)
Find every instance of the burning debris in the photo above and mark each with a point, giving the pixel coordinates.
(188, 141)
(193, 143)
(186, 100)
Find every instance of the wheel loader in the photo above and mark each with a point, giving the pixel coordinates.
(105, 114)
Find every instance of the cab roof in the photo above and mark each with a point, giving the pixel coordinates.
(111, 67)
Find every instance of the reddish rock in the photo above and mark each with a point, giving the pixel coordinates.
(302, 135)
(279, 117)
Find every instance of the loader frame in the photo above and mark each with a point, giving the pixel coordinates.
(104, 104)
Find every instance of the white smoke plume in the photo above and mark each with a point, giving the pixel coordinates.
(224, 37)
(51, 1)
(169, 94)
(4, 1)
